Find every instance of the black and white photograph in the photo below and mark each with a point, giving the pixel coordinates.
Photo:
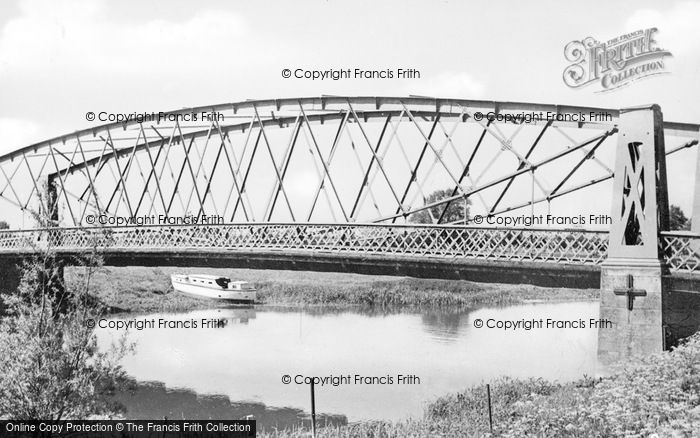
(331, 219)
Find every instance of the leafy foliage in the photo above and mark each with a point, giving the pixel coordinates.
(50, 364)
(677, 219)
(456, 210)
(659, 394)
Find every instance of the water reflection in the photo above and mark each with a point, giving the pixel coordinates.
(444, 326)
(239, 366)
(152, 400)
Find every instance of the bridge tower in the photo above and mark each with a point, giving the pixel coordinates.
(635, 279)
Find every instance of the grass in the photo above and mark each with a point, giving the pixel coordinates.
(658, 395)
(141, 289)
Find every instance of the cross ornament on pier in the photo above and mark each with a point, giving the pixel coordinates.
(630, 291)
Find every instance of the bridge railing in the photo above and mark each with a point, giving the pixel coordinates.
(682, 251)
(566, 246)
(577, 247)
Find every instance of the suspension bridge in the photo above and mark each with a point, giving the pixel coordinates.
(381, 185)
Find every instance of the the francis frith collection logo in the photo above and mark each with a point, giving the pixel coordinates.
(614, 63)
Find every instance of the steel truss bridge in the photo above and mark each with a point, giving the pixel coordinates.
(365, 184)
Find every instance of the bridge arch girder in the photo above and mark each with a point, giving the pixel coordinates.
(292, 160)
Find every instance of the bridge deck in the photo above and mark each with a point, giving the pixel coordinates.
(567, 258)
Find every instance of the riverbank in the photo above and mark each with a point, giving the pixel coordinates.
(659, 394)
(143, 289)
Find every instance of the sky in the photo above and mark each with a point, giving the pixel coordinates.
(61, 59)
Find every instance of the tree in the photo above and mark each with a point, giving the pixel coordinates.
(677, 219)
(456, 210)
(50, 365)
(4, 225)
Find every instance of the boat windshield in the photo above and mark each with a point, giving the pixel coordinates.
(223, 282)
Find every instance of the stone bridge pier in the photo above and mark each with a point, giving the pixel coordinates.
(637, 295)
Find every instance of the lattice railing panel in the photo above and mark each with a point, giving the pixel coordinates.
(520, 245)
(570, 247)
(682, 251)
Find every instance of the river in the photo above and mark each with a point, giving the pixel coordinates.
(234, 362)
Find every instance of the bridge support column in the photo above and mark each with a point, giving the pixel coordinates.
(634, 278)
(50, 201)
(695, 218)
(683, 315)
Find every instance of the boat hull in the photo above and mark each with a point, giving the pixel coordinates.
(185, 287)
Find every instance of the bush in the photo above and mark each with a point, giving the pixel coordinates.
(656, 394)
(50, 366)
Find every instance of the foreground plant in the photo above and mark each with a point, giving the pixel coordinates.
(50, 364)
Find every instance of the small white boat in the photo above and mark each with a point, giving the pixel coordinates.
(213, 287)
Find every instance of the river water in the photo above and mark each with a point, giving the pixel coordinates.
(235, 366)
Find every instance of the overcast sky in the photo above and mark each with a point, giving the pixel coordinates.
(60, 59)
